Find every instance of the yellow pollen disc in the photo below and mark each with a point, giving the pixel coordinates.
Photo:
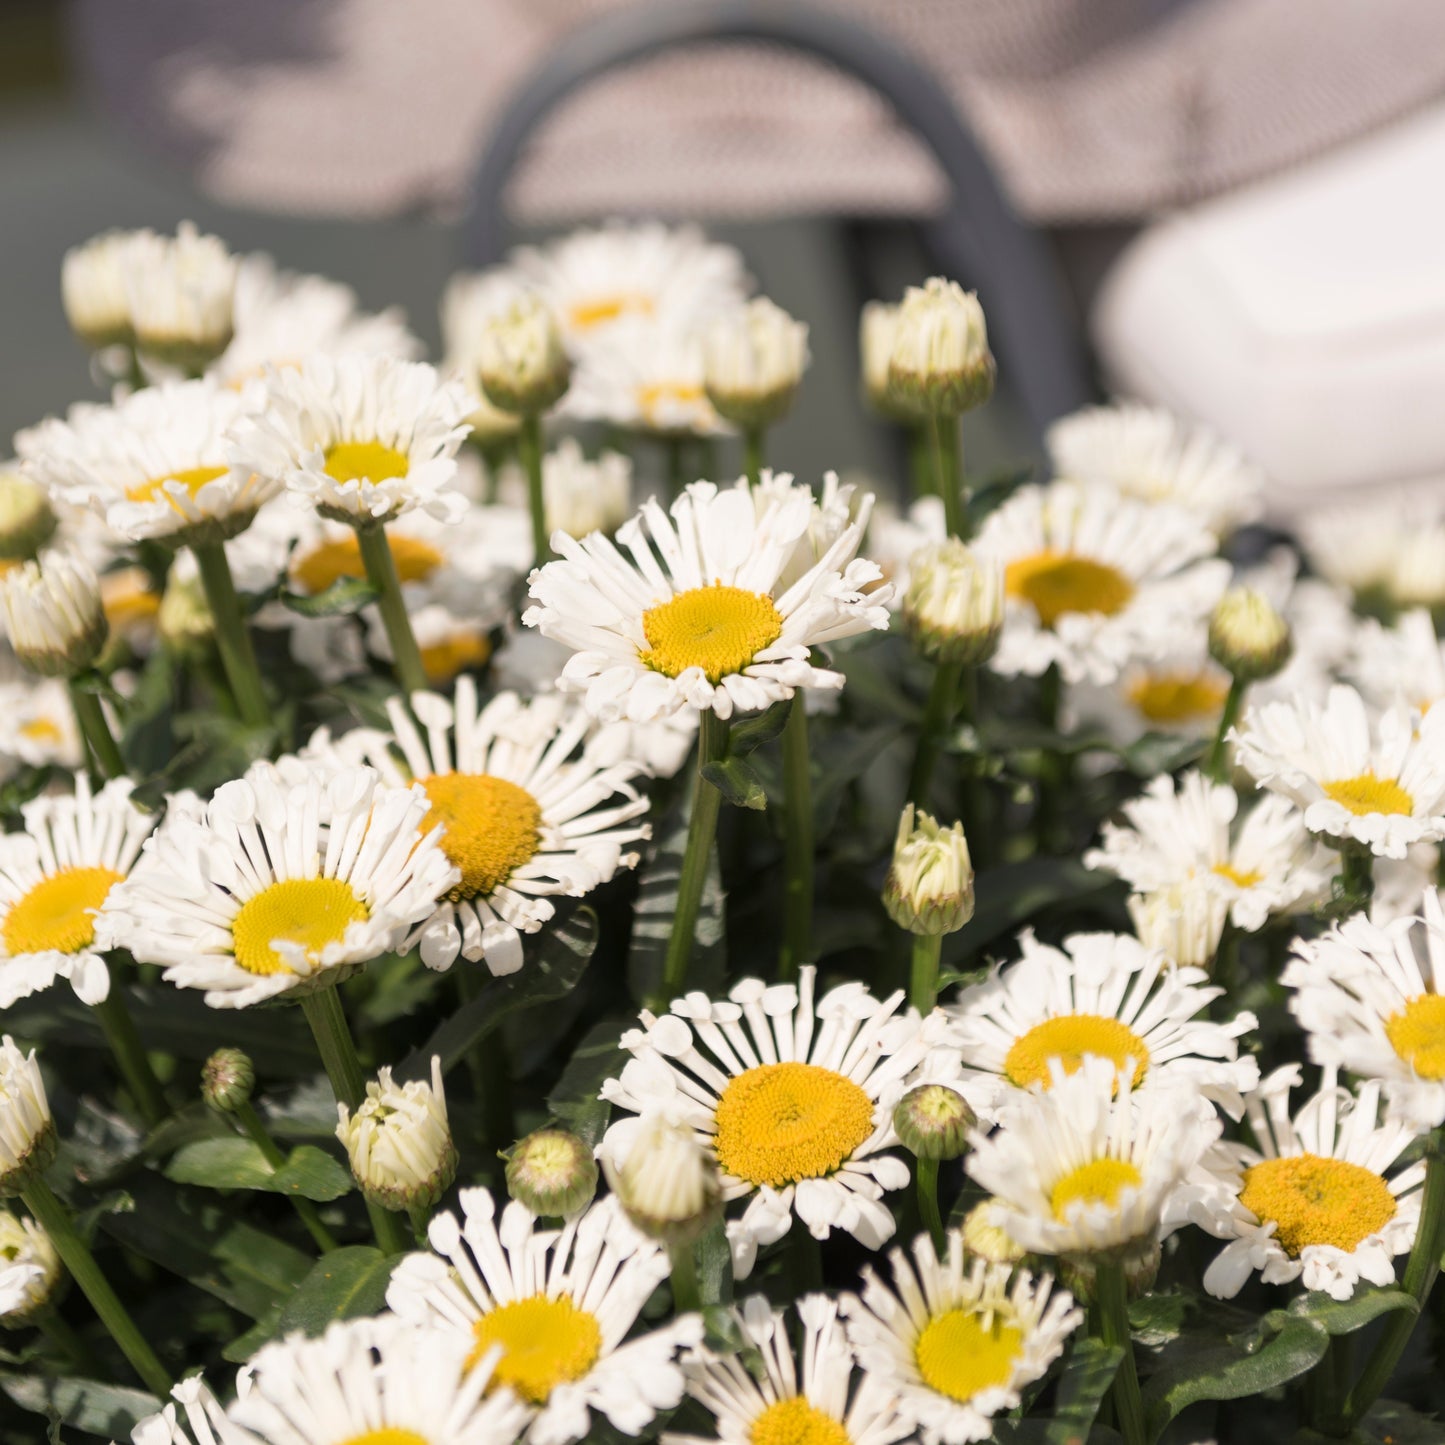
(127, 605)
(58, 912)
(796, 1422)
(958, 1355)
(719, 629)
(490, 828)
(1177, 697)
(191, 478)
(310, 911)
(1069, 1038)
(42, 730)
(1369, 794)
(584, 315)
(1101, 1181)
(1054, 583)
(545, 1343)
(1240, 877)
(365, 461)
(388, 1435)
(1418, 1035)
(332, 561)
(779, 1123)
(652, 396)
(1317, 1201)
(444, 660)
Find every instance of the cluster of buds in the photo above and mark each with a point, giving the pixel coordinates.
(30, 1271)
(933, 1121)
(939, 363)
(551, 1173)
(1248, 637)
(666, 1182)
(27, 1132)
(953, 608)
(522, 365)
(929, 888)
(399, 1142)
(53, 614)
(754, 359)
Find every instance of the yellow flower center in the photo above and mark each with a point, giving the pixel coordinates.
(1418, 1035)
(1101, 1181)
(127, 599)
(779, 1123)
(796, 1422)
(365, 461)
(1177, 697)
(1240, 877)
(324, 566)
(442, 661)
(42, 730)
(191, 478)
(388, 1435)
(1369, 794)
(490, 828)
(585, 315)
(719, 629)
(1317, 1201)
(545, 1343)
(959, 1354)
(1069, 1038)
(654, 395)
(1054, 583)
(309, 911)
(58, 913)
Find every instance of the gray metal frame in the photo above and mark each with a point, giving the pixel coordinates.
(976, 238)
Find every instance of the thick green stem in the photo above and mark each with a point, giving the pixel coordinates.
(753, 454)
(712, 746)
(797, 843)
(923, 986)
(1218, 764)
(920, 460)
(381, 573)
(529, 452)
(686, 1297)
(90, 717)
(1112, 1303)
(233, 638)
(130, 1055)
(948, 472)
(338, 1055)
(306, 1211)
(937, 714)
(1420, 1272)
(1356, 877)
(54, 1218)
(676, 466)
(928, 1201)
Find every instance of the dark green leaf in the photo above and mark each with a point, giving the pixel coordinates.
(344, 1285)
(575, 1101)
(1010, 896)
(738, 782)
(227, 1163)
(1344, 1317)
(92, 1406)
(313, 1174)
(244, 1346)
(656, 906)
(749, 734)
(341, 599)
(1155, 1319)
(1391, 1423)
(715, 1267)
(1086, 1377)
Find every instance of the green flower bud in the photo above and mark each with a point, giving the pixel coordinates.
(27, 1131)
(754, 360)
(953, 608)
(985, 1240)
(934, 1122)
(53, 614)
(521, 364)
(26, 520)
(1248, 637)
(940, 364)
(399, 1142)
(551, 1172)
(227, 1080)
(929, 889)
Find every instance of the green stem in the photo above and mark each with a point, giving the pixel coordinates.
(676, 466)
(920, 461)
(90, 717)
(529, 451)
(233, 639)
(753, 454)
(1326, 1382)
(130, 1055)
(923, 988)
(1420, 1271)
(489, 1067)
(1112, 1301)
(1356, 876)
(338, 1055)
(381, 573)
(973, 796)
(948, 471)
(928, 1201)
(937, 714)
(1218, 765)
(686, 1297)
(712, 746)
(54, 1218)
(306, 1211)
(797, 843)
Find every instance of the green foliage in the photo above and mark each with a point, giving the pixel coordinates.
(237, 1163)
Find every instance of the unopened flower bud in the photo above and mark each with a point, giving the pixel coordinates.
(933, 1122)
(26, 520)
(184, 620)
(580, 497)
(953, 607)
(877, 326)
(29, 1270)
(929, 888)
(227, 1080)
(985, 1240)
(53, 614)
(399, 1142)
(552, 1173)
(180, 291)
(666, 1182)
(92, 290)
(521, 363)
(1248, 636)
(1185, 922)
(755, 357)
(1140, 1263)
(27, 1132)
(940, 364)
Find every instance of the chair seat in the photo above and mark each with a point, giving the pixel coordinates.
(1302, 318)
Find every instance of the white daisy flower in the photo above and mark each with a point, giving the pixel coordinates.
(646, 376)
(578, 496)
(1402, 664)
(30, 1269)
(1386, 551)
(363, 438)
(56, 876)
(814, 1397)
(27, 1130)
(1315, 1200)
(1185, 921)
(794, 1098)
(1181, 693)
(1372, 1001)
(287, 879)
(192, 1416)
(37, 725)
(92, 290)
(1381, 784)
(1095, 581)
(696, 615)
(531, 803)
(1105, 995)
(1089, 1164)
(957, 1339)
(1399, 882)
(154, 465)
(1264, 865)
(559, 1304)
(1147, 453)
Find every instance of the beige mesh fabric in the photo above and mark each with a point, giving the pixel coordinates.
(1089, 109)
